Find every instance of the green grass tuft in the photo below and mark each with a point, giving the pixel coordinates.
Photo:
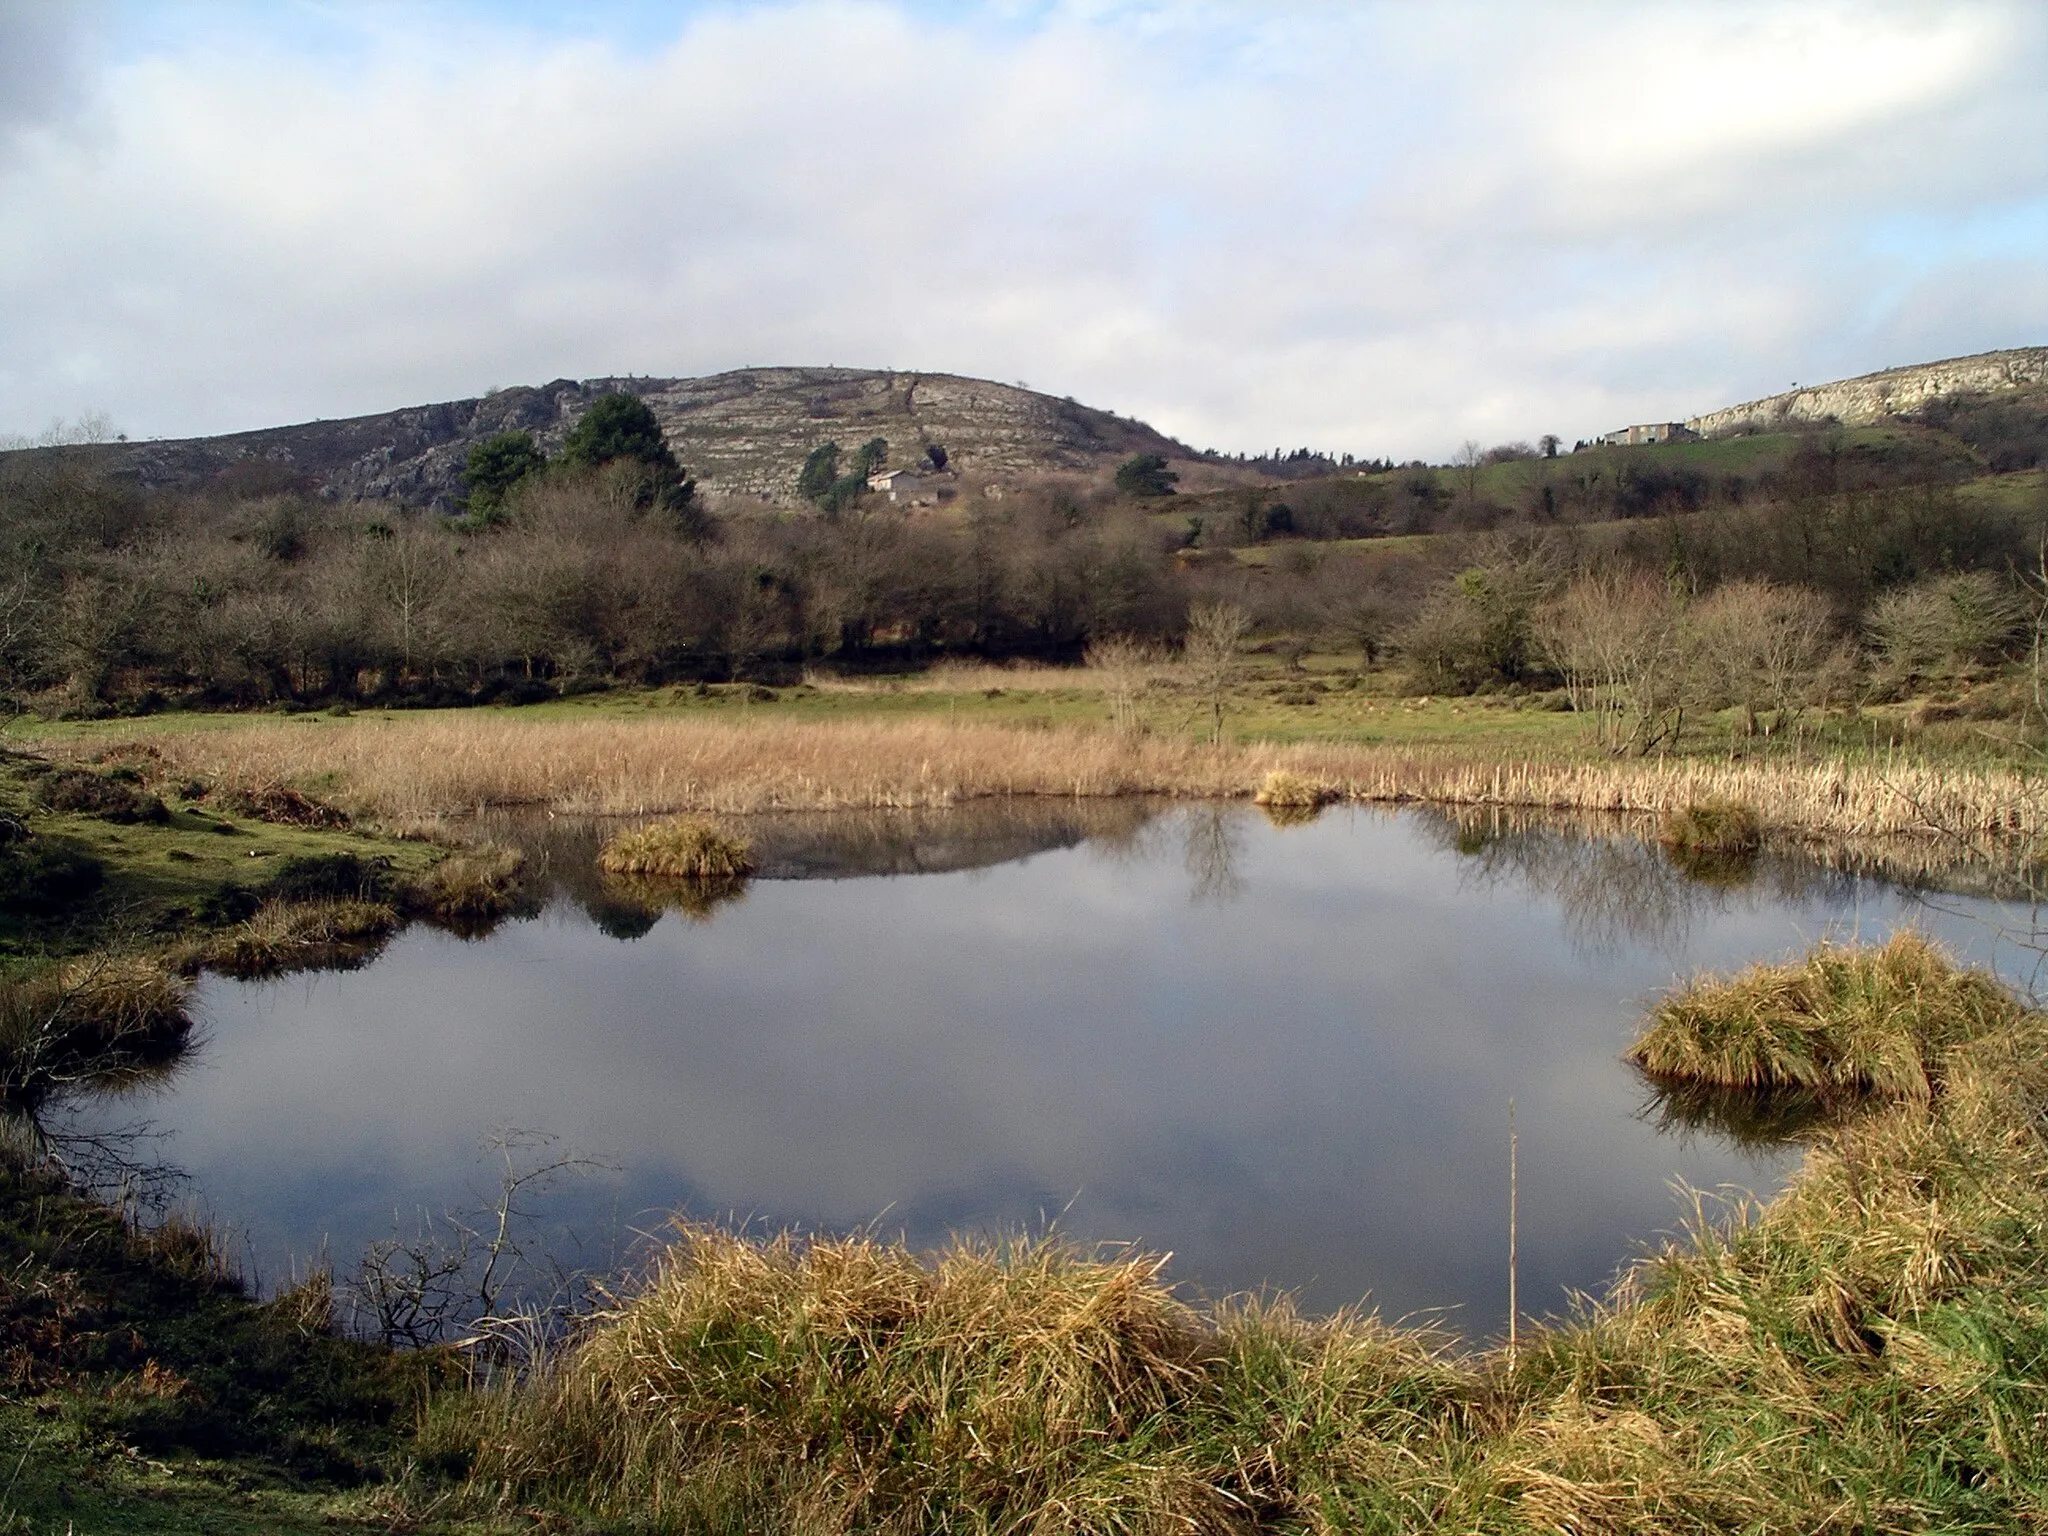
(1844, 1023)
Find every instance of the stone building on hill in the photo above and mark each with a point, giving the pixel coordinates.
(1649, 432)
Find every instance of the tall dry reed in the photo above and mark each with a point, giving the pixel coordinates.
(401, 768)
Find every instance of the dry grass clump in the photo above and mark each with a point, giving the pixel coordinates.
(845, 1384)
(1845, 1021)
(1867, 1352)
(1712, 828)
(470, 887)
(684, 848)
(1298, 791)
(296, 935)
(99, 1021)
(1292, 799)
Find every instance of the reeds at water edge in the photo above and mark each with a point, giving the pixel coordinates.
(413, 768)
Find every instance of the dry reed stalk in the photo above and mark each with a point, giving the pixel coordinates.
(414, 767)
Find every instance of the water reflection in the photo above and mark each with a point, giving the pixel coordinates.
(1614, 886)
(1298, 1077)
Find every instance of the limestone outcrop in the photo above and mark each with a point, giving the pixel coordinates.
(1874, 396)
(743, 433)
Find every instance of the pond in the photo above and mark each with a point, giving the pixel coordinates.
(1285, 1054)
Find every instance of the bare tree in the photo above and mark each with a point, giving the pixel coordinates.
(1762, 647)
(1619, 641)
(457, 1271)
(1125, 664)
(1213, 653)
(406, 576)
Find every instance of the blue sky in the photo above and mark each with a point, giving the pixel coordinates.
(1376, 228)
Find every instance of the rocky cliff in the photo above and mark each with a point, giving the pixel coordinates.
(743, 433)
(1891, 392)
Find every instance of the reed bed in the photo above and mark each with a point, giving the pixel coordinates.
(1869, 1352)
(412, 768)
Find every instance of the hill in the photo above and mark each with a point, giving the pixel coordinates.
(743, 433)
(1872, 397)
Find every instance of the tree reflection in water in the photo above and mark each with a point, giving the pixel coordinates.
(1613, 885)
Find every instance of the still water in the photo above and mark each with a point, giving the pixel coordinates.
(1284, 1054)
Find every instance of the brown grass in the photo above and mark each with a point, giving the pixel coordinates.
(835, 1385)
(100, 1021)
(295, 935)
(1845, 1021)
(1869, 1352)
(681, 848)
(409, 768)
(1712, 829)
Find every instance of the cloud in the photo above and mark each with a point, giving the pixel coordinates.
(1381, 229)
(42, 43)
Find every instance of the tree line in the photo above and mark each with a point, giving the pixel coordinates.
(1834, 577)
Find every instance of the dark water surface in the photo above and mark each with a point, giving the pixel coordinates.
(1284, 1054)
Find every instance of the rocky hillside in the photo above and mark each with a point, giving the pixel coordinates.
(1891, 392)
(743, 433)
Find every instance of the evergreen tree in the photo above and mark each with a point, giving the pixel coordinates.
(620, 428)
(820, 472)
(496, 465)
(1145, 475)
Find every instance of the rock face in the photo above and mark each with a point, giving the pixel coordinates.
(1873, 396)
(743, 433)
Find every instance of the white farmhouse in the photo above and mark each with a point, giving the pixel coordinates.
(909, 488)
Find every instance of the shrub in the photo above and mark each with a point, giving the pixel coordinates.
(40, 881)
(110, 797)
(688, 847)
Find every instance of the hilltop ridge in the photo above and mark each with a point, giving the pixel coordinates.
(1870, 397)
(740, 433)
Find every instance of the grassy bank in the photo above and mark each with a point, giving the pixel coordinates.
(1869, 1352)
(414, 768)
(121, 850)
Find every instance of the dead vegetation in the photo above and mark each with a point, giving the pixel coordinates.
(410, 769)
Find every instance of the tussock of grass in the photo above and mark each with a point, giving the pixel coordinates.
(1719, 829)
(470, 886)
(106, 1022)
(294, 935)
(1845, 1022)
(1285, 788)
(844, 1384)
(685, 848)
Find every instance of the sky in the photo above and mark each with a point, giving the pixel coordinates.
(1383, 229)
